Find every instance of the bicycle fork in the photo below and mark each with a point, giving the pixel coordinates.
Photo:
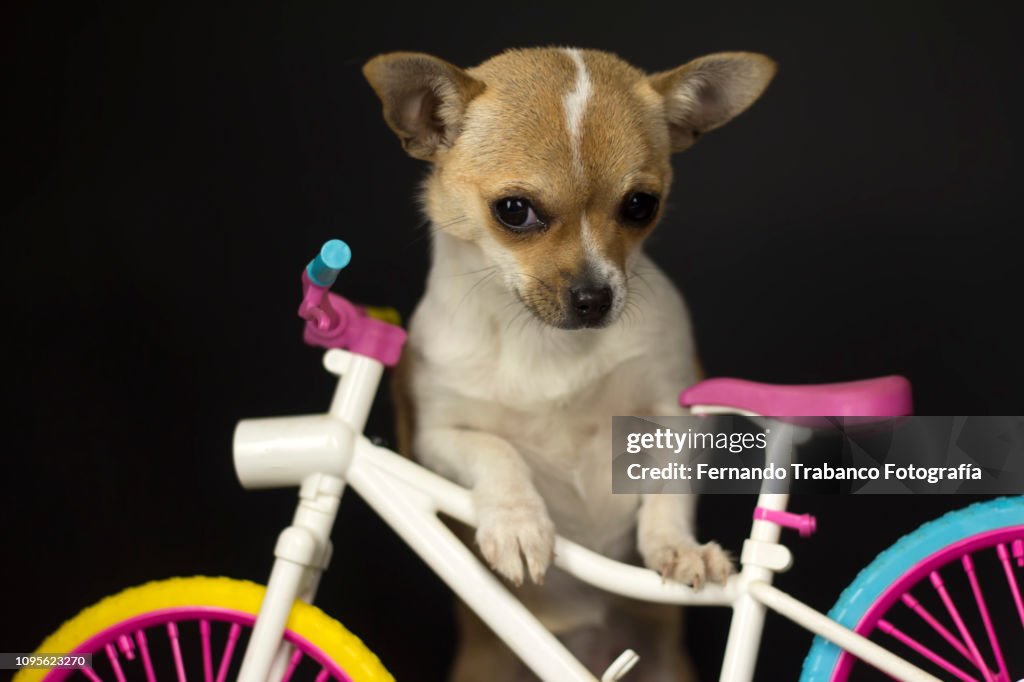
(313, 452)
(762, 557)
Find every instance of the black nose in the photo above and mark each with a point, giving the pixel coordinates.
(591, 305)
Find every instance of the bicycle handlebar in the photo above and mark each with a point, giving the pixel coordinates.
(335, 322)
(333, 257)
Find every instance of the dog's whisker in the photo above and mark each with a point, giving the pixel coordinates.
(436, 227)
(634, 293)
(469, 291)
(454, 221)
(633, 311)
(515, 317)
(527, 321)
(638, 275)
(516, 303)
(473, 272)
(423, 233)
(638, 294)
(627, 312)
(542, 282)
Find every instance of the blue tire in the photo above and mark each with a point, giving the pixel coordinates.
(894, 562)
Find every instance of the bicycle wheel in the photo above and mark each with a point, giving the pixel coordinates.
(946, 597)
(196, 628)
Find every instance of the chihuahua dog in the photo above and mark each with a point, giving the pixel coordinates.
(543, 318)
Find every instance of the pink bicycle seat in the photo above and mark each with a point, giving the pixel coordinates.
(882, 397)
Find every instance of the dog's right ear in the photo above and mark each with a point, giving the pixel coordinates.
(424, 99)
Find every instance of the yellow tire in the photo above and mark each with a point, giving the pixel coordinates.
(242, 596)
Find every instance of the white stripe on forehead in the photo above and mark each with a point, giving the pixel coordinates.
(608, 275)
(575, 104)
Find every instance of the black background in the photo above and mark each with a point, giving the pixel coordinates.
(185, 162)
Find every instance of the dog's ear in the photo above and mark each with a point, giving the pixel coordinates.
(424, 99)
(709, 91)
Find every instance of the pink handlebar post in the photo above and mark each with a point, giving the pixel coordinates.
(805, 523)
(334, 322)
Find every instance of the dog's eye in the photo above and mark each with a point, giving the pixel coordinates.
(639, 208)
(516, 213)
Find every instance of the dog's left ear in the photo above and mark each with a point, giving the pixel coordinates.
(424, 99)
(710, 91)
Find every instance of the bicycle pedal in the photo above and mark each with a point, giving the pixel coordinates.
(620, 666)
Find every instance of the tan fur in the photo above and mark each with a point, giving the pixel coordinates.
(623, 148)
(519, 413)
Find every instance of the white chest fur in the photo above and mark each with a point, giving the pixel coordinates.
(482, 362)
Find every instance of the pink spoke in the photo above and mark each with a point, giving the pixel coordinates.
(229, 650)
(204, 630)
(921, 611)
(114, 663)
(889, 629)
(979, 662)
(179, 665)
(322, 677)
(1004, 557)
(293, 663)
(147, 662)
(91, 674)
(125, 644)
(983, 610)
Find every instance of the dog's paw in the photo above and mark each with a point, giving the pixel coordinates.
(692, 564)
(510, 533)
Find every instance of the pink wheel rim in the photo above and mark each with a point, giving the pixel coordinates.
(919, 572)
(109, 637)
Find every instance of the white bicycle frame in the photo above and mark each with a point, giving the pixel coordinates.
(323, 453)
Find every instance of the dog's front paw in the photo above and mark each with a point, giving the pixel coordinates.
(691, 564)
(510, 532)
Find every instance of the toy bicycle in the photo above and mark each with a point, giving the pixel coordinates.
(923, 610)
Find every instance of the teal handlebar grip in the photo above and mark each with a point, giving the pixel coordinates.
(333, 257)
